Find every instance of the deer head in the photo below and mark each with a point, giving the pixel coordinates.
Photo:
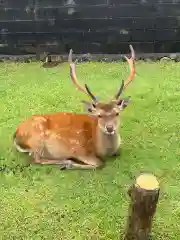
(107, 113)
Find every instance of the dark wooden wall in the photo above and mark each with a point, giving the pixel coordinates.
(94, 26)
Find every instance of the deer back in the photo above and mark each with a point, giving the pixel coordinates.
(75, 132)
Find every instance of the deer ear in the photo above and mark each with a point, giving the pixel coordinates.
(123, 103)
(88, 106)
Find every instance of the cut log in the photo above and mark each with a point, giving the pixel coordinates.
(144, 196)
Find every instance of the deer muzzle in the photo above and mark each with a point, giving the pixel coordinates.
(110, 129)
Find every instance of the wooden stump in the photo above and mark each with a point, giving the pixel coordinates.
(144, 196)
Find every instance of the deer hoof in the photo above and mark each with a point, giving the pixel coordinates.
(117, 153)
(67, 165)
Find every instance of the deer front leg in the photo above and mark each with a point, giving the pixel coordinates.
(117, 153)
(69, 162)
(47, 161)
(84, 162)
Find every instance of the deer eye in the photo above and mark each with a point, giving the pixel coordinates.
(99, 115)
(117, 114)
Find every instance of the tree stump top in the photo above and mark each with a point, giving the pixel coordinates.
(147, 181)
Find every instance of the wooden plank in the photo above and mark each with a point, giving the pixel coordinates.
(123, 47)
(150, 11)
(56, 3)
(143, 35)
(16, 4)
(15, 14)
(120, 36)
(88, 25)
(90, 2)
(120, 25)
(17, 26)
(166, 22)
(130, 10)
(166, 10)
(119, 2)
(131, 23)
(81, 43)
(113, 48)
(133, 10)
(167, 46)
(56, 46)
(108, 36)
(96, 12)
(36, 38)
(167, 34)
(46, 3)
(92, 24)
(168, 1)
(100, 47)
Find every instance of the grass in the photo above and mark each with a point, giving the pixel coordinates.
(42, 202)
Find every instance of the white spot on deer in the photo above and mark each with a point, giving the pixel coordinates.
(41, 127)
(74, 141)
(41, 119)
(42, 134)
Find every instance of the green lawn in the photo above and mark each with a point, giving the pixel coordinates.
(42, 202)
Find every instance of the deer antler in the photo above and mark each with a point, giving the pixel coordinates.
(74, 78)
(131, 62)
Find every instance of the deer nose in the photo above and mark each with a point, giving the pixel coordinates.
(110, 128)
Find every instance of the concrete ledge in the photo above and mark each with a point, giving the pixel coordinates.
(92, 57)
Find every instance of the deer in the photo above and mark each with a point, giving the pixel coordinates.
(76, 140)
(49, 63)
